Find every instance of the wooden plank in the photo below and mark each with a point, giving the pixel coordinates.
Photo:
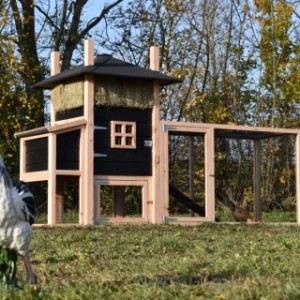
(35, 176)
(69, 114)
(52, 180)
(103, 114)
(156, 139)
(125, 156)
(186, 201)
(210, 175)
(88, 172)
(55, 69)
(122, 169)
(257, 180)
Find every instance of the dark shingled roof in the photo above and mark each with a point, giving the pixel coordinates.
(106, 65)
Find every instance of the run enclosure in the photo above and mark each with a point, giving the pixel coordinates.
(210, 132)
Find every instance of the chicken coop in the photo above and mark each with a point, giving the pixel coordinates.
(106, 131)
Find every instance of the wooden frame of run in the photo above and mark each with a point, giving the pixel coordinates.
(209, 131)
(155, 187)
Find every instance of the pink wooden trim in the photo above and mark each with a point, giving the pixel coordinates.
(55, 57)
(22, 158)
(88, 53)
(210, 175)
(35, 176)
(88, 162)
(52, 179)
(154, 58)
(165, 178)
(195, 126)
(55, 69)
(69, 122)
(68, 172)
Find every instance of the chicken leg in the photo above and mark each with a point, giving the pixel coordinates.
(31, 277)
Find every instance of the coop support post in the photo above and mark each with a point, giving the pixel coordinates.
(87, 172)
(156, 150)
(55, 69)
(52, 216)
(298, 176)
(210, 174)
(59, 199)
(119, 200)
(257, 180)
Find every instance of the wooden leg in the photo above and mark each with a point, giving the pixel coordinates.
(59, 200)
(119, 201)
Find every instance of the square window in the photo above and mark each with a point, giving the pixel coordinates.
(123, 134)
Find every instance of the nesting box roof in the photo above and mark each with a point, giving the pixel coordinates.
(106, 65)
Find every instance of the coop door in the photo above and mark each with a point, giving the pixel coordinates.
(186, 175)
(121, 200)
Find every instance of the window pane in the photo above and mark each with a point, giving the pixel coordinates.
(128, 128)
(118, 128)
(128, 140)
(118, 140)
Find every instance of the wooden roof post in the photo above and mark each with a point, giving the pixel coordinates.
(52, 214)
(156, 144)
(87, 144)
(55, 69)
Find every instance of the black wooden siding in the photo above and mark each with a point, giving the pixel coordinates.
(37, 155)
(69, 114)
(68, 150)
(126, 162)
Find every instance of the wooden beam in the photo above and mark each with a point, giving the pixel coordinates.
(156, 139)
(55, 57)
(52, 179)
(55, 69)
(88, 145)
(210, 174)
(257, 180)
(88, 52)
(154, 58)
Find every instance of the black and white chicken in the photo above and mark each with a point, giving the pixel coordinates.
(16, 217)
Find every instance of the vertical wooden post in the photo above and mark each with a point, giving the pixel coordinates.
(55, 69)
(297, 163)
(22, 158)
(87, 176)
(210, 174)
(191, 170)
(97, 201)
(118, 194)
(156, 150)
(257, 180)
(59, 200)
(52, 179)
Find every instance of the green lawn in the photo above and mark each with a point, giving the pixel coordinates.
(209, 261)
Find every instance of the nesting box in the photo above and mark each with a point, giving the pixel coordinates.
(103, 131)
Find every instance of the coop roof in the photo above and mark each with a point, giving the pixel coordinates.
(106, 65)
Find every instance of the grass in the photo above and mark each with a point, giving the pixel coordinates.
(209, 261)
